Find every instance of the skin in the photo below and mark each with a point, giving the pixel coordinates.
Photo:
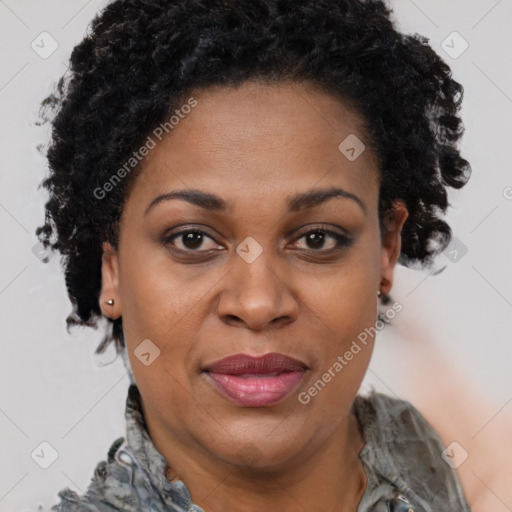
(254, 146)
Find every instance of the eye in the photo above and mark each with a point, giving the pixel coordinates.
(195, 241)
(190, 240)
(317, 238)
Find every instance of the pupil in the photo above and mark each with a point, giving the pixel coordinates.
(189, 240)
(317, 239)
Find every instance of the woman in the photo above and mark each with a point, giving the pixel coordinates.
(232, 186)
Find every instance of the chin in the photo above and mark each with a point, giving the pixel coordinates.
(259, 453)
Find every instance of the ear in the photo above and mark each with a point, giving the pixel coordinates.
(391, 244)
(110, 282)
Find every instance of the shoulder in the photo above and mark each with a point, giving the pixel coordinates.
(109, 489)
(405, 448)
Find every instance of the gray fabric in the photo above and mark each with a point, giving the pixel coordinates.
(401, 458)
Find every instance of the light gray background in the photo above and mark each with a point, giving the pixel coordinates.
(52, 387)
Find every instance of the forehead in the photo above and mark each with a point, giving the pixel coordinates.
(256, 137)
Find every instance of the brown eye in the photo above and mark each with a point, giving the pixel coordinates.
(191, 240)
(317, 239)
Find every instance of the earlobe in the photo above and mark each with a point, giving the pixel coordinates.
(391, 244)
(110, 302)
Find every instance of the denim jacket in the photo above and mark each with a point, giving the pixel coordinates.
(401, 457)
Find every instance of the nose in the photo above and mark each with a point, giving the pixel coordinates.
(257, 295)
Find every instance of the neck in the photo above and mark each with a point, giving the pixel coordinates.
(331, 479)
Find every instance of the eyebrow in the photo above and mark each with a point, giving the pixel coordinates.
(295, 203)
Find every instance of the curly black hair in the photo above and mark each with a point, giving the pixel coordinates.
(140, 59)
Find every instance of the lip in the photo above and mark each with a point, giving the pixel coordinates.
(256, 381)
(272, 362)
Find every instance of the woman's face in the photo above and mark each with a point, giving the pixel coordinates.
(263, 264)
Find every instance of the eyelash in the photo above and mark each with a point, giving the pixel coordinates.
(342, 241)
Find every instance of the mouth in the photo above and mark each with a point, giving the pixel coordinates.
(256, 381)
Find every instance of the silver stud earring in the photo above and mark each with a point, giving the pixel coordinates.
(110, 302)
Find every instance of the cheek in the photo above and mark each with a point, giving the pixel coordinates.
(165, 303)
(344, 307)
(158, 294)
(157, 305)
(349, 314)
(346, 298)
